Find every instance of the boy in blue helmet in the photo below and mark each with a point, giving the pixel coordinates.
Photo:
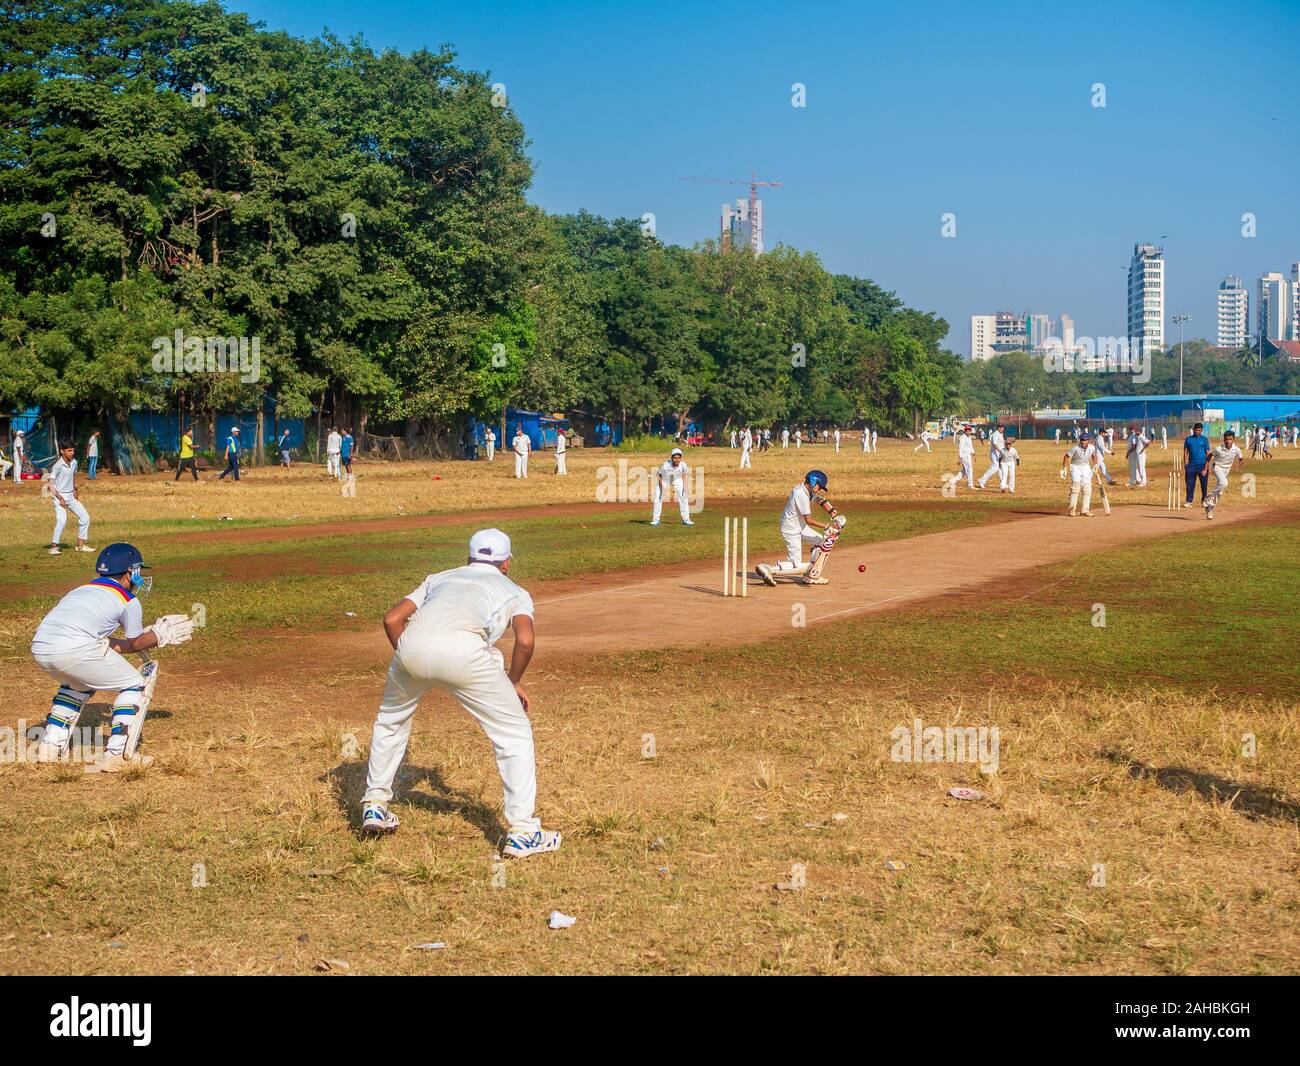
(797, 528)
(75, 645)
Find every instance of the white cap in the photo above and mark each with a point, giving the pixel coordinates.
(489, 546)
(675, 451)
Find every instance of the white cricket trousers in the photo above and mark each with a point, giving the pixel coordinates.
(81, 672)
(794, 542)
(659, 492)
(1081, 480)
(560, 468)
(1142, 467)
(491, 450)
(461, 665)
(521, 465)
(994, 469)
(1220, 485)
(744, 459)
(332, 465)
(966, 470)
(61, 519)
(1007, 476)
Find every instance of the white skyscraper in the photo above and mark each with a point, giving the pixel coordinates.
(983, 332)
(1067, 333)
(1146, 299)
(1295, 301)
(1275, 311)
(1234, 317)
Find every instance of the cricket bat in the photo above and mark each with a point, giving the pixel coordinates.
(833, 531)
(1105, 499)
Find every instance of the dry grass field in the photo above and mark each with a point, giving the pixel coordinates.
(1143, 817)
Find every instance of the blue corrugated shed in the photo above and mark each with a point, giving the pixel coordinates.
(1235, 407)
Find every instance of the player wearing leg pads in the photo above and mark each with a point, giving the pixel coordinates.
(797, 529)
(75, 645)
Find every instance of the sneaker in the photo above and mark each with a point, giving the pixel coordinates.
(1209, 512)
(1087, 514)
(376, 818)
(654, 521)
(521, 845)
(765, 572)
(56, 550)
(84, 548)
(687, 522)
(816, 581)
(115, 764)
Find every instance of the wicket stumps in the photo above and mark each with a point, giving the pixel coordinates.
(735, 556)
(1174, 500)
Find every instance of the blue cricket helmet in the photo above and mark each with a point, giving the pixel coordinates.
(119, 559)
(816, 478)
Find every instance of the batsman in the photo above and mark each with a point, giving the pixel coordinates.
(797, 527)
(76, 646)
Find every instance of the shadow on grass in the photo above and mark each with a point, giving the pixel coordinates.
(1254, 803)
(349, 781)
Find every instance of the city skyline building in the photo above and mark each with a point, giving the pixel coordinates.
(1233, 319)
(1146, 299)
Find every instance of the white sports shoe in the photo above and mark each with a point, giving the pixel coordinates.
(84, 548)
(376, 818)
(687, 522)
(654, 521)
(115, 764)
(764, 571)
(55, 550)
(521, 845)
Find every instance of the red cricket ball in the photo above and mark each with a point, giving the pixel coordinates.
(862, 569)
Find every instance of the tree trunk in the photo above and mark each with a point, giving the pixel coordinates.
(259, 452)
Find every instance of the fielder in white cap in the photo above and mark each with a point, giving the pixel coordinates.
(444, 636)
(673, 476)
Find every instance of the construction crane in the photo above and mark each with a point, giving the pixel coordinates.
(753, 184)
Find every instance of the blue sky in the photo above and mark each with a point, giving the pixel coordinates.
(913, 110)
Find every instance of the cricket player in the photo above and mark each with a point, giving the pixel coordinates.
(785, 437)
(346, 444)
(63, 494)
(926, 437)
(333, 446)
(20, 452)
(997, 440)
(798, 439)
(673, 476)
(796, 529)
(75, 645)
(1008, 463)
(232, 455)
(875, 438)
(284, 449)
(1222, 460)
(965, 457)
(1102, 445)
(92, 455)
(836, 436)
(561, 450)
(521, 446)
(443, 636)
(1164, 438)
(1136, 454)
(746, 446)
(1081, 459)
(5, 466)
(491, 439)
